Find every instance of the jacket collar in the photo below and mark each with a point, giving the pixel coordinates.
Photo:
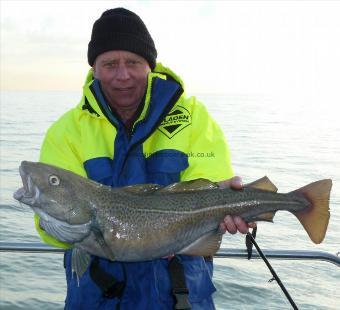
(162, 86)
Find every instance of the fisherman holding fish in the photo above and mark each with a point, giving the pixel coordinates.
(118, 186)
(135, 125)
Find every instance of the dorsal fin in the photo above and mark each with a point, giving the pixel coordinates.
(142, 188)
(263, 184)
(186, 186)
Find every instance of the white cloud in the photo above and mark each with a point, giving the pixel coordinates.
(216, 46)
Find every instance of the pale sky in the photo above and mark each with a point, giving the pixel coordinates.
(233, 47)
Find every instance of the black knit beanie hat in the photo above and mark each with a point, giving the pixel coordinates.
(121, 29)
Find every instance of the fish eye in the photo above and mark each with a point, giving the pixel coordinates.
(54, 180)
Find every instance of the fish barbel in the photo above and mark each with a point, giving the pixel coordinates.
(148, 221)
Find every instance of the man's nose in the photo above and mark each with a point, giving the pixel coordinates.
(122, 72)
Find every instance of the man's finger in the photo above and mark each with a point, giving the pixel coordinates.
(236, 182)
(230, 225)
(241, 225)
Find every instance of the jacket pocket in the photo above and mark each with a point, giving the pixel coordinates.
(164, 167)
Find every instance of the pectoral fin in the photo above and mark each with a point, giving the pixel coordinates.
(63, 231)
(80, 261)
(207, 245)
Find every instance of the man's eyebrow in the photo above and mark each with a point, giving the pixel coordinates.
(127, 58)
(107, 60)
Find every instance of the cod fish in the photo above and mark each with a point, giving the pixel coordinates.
(148, 221)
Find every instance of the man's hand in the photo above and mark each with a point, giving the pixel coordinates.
(232, 224)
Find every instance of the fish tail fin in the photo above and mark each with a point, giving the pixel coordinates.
(315, 218)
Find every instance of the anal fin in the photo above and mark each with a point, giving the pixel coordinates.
(207, 245)
(266, 217)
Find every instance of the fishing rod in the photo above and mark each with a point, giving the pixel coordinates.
(37, 247)
(250, 241)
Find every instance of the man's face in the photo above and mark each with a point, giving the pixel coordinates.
(123, 77)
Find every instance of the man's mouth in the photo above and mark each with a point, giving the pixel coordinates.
(123, 89)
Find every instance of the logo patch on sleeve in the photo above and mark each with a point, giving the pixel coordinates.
(175, 121)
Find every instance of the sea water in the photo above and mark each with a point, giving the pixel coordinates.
(293, 144)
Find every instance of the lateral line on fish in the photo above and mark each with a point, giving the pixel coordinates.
(209, 208)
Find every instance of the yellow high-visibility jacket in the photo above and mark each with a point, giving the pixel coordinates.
(173, 139)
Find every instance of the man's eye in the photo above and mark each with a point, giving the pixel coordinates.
(111, 64)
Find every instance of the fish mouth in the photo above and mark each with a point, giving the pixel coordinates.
(29, 192)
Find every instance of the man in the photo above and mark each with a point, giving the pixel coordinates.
(135, 125)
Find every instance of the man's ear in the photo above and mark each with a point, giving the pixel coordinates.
(94, 71)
